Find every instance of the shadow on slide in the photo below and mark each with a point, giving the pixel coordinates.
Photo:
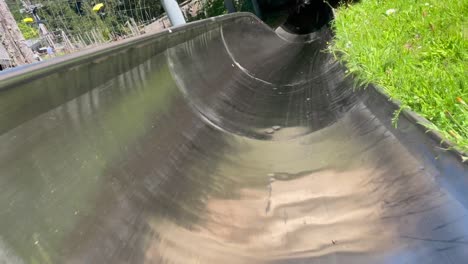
(221, 141)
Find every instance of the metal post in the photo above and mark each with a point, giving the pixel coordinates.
(173, 12)
(256, 8)
(44, 32)
(230, 7)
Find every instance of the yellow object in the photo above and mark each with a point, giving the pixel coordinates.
(28, 20)
(98, 7)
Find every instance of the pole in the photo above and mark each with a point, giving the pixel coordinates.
(230, 7)
(173, 12)
(32, 10)
(44, 32)
(256, 8)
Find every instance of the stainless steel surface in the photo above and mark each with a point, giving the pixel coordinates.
(173, 12)
(218, 142)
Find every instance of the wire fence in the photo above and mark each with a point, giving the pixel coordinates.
(70, 25)
(56, 27)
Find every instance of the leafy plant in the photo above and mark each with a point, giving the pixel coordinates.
(414, 50)
(210, 8)
(28, 31)
(213, 8)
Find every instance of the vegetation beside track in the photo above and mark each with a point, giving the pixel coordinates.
(416, 51)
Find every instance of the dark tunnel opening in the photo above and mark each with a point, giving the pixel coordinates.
(308, 16)
(300, 16)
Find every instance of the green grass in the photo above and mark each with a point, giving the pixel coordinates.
(416, 54)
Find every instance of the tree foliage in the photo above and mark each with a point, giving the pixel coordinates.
(213, 8)
(28, 31)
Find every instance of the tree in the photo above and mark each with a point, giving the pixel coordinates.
(28, 31)
(12, 38)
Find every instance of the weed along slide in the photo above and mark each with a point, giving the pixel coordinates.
(220, 141)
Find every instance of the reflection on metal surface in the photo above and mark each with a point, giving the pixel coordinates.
(170, 153)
